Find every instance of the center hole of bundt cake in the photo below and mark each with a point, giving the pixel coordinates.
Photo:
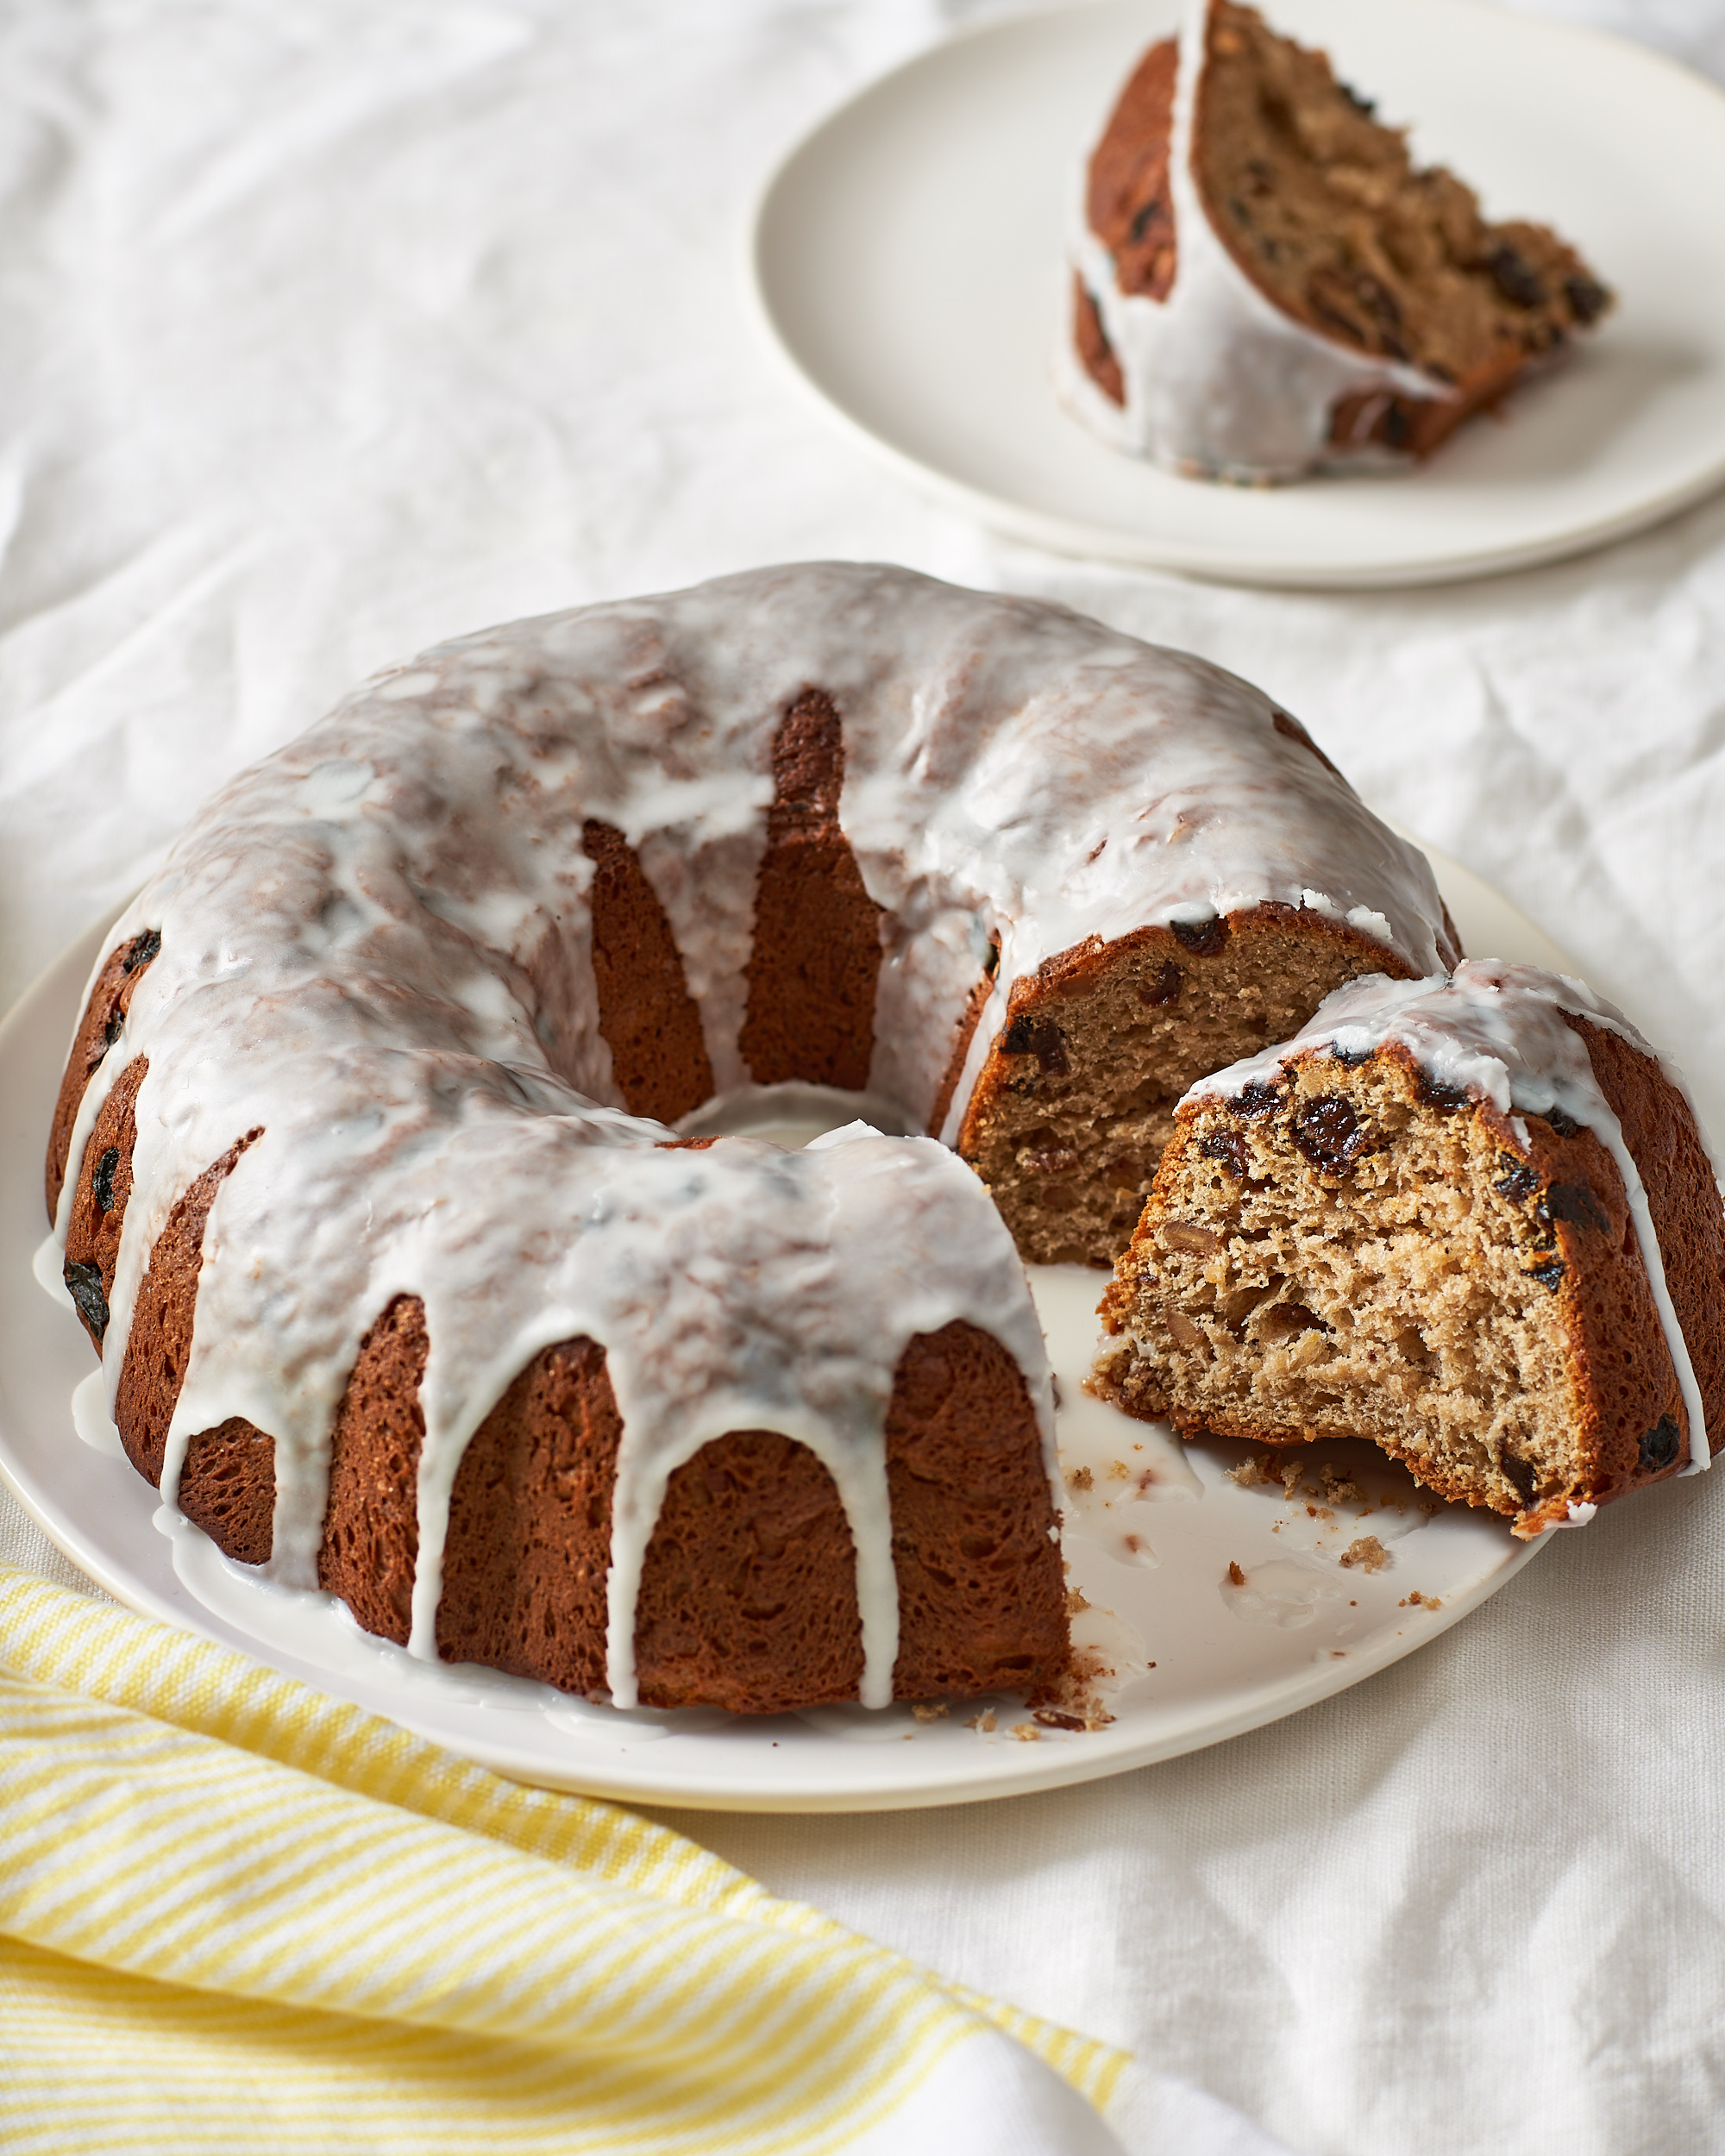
(793, 1113)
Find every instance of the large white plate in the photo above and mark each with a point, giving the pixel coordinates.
(1149, 1543)
(905, 259)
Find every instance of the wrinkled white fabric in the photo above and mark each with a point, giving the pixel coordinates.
(330, 330)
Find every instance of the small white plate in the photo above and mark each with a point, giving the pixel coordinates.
(1149, 1544)
(905, 259)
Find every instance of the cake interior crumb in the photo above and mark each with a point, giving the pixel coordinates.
(1378, 1283)
(1368, 1552)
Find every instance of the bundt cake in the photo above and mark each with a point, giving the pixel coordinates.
(364, 1166)
(1471, 1218)
(1264, 283)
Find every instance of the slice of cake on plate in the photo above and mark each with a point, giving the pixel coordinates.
(1264, 284)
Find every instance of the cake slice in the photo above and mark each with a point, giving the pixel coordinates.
(1472, 1220)
(1264, 283)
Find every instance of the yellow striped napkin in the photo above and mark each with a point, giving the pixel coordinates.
(236, 1915)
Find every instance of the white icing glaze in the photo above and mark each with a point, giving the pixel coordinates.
(91, 1418)
(376, 952)
(48, 1266)
(1218, 381)
(1497, 1032)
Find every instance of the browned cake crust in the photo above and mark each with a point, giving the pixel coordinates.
(1356, 1251)
(975, 1003)
(1322, 208)
(529, 1525)
(747, 1595)
(749, 1587)
(1659, 1129)
(371, 1524)
(99, 1201)
(816, 952)
(646, 1014)
(98, 1030)
(1126, 196)
(228, 1484)
(981, 1594)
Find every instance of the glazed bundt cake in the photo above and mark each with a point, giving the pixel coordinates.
(1264, 283)
(1473, 1219)
(365, 1167)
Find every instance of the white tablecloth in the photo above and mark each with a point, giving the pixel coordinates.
(328, 331)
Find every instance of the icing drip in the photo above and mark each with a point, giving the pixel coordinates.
(1218, 380)
(376, 953)
(1497, 1032)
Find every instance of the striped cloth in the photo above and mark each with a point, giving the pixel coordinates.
(236, 1915)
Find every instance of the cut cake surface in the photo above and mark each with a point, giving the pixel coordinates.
(1343, 1244)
